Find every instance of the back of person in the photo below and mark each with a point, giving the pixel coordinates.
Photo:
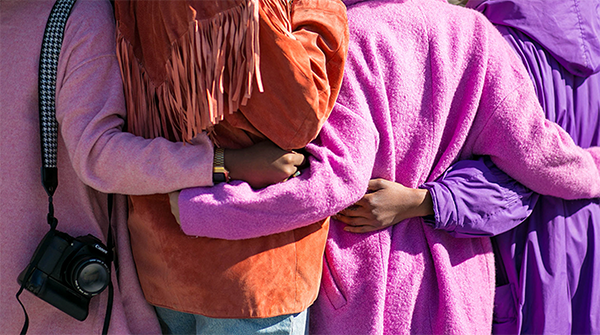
(88, 52)
(387, 282)
(441, 85)
(284, 95)
(552, 260)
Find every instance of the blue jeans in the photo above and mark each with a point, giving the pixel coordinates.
(174, 322)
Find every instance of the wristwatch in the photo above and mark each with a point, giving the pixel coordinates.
(220, 173)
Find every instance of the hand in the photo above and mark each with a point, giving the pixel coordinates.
(385, 204)
(262, 164)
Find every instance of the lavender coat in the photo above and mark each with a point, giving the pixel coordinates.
(548, 266)
(439, 83)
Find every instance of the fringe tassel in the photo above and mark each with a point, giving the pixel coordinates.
(193, 97)
(279, 14)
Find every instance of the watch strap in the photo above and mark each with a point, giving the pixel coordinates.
(220, 173)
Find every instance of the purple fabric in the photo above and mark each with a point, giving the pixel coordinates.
(567, 29)
(567, 99)
(340, 167)
(550, 263)
(430, 108)
(475, 198)
(553, 259)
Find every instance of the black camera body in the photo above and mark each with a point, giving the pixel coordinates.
(66, 272)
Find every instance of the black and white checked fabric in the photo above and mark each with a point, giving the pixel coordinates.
(53, 37)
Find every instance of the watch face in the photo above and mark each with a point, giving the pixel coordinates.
(219, 177)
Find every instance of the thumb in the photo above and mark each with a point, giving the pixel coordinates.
(298, 159)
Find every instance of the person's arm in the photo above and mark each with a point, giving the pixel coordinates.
(301, 73)
(511, 128)
(475, 198)
(90, 110)
(341, 160)
(472, 199)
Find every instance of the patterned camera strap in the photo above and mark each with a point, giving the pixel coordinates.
(51, 45)
(49, 54)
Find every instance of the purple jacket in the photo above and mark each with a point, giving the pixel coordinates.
(430, 108)
(547, 267)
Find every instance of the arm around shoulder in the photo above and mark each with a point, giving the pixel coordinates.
(341, 160)
(91, 111)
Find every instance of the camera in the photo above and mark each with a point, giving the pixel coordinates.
(66, 272)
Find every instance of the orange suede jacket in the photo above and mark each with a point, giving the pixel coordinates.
(301, 71)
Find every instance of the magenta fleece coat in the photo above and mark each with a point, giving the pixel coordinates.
(439, 84)
(93, 154)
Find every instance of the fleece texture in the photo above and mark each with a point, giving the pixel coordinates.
(547, 266)
(301, 69)
(439, 83)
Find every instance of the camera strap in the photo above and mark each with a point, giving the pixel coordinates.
(48, 64)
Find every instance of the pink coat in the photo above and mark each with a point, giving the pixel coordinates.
(92, 153)
(439, 83)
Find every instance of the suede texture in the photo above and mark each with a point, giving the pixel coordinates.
(301, 79)
(270, 275)
(260, 277)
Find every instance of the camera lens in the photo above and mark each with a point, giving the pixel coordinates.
(91, 276)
